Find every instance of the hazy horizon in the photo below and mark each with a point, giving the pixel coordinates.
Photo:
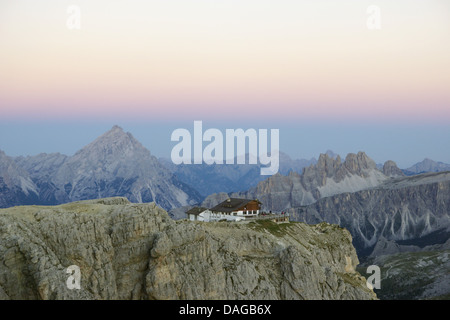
(313, 69)
(392, 143)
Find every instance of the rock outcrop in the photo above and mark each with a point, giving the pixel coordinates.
(409, 210)
(329, 176)
(390, 169)
(135, 251)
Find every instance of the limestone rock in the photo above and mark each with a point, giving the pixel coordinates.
(390, 169)
(328, 177)
(135, 251)
(408, 210)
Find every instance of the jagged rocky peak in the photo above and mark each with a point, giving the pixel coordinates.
(331, 154)
(331, 164)
(328, 163)
(390, 169)
(115, 142)
(357, 163)
(117, 136)
(325, 167)
(324, 163)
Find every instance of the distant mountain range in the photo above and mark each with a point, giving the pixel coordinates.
(397, 222)
(329, 176)
(427, 165)
(208, 179)
(413, 211)
(115, 164)
(387, 210)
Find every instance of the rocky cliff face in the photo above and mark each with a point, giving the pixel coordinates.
(414, 209)
(329, 176)
(390, 169)
(16, 185)
(135, 251)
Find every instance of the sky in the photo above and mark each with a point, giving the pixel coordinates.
(345, 75)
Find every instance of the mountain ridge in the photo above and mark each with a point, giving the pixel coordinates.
(406, 208)
(327, 177)
(114, 164)
(235, 177)
(427, 165)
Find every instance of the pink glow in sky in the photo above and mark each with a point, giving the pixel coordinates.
(213, 59)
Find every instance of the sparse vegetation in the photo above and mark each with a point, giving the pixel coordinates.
(276, 229)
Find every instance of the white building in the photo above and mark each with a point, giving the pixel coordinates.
(232, 209)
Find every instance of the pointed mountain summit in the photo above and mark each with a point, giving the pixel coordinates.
(427, 165)
(114, 164)
(115, 142)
